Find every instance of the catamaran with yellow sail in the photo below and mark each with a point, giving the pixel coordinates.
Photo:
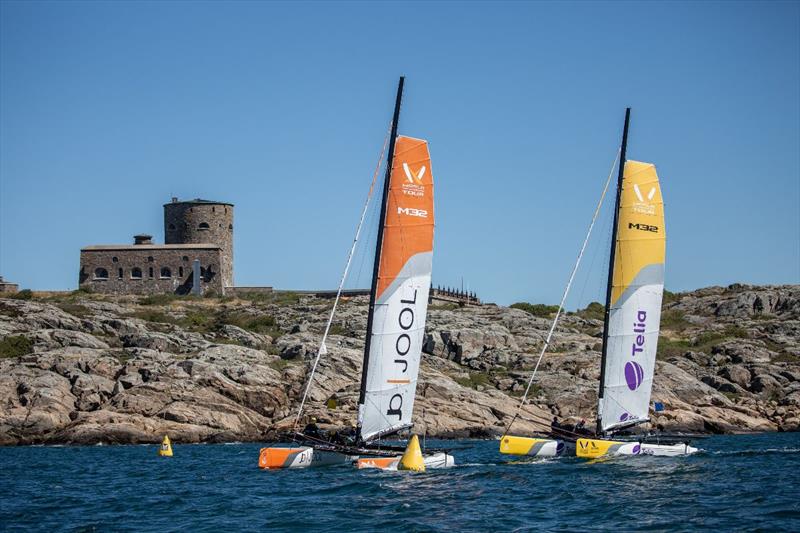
(395, 325)
(630, 328)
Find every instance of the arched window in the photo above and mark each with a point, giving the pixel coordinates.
(166, 272)
(230, 226)
(185, 257)
(100, 273)
(150, 271)
(136, 273)
(180, 272)
(114, 259)
(150, 259)
(203, 225)
(119, 272)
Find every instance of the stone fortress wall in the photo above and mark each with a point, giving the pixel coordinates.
(194, 230)
(7, 286)
(202, 222)
(149, 269)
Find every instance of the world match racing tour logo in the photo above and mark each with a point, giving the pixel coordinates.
(413, 187)
(642, 206)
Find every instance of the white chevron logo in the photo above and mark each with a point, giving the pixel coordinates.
(414, 178)
(639, 193)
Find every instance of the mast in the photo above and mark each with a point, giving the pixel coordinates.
(613, 254)
(379, 243)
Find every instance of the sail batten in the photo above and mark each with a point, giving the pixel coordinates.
(635, 300)
(402, 285)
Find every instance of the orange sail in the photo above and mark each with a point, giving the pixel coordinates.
(401, 295)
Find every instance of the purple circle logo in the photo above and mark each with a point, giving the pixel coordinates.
(637, 449)
(633, 375)
(623, 417)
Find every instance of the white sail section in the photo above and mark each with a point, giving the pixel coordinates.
(395, 350)
(637, 288)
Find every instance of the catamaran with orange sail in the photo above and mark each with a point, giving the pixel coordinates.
(630, 328)
(395, 325)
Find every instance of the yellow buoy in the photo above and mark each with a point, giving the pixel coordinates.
(166, 448)
(412, 458)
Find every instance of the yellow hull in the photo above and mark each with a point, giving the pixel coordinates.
(511, 445)
(594, 448)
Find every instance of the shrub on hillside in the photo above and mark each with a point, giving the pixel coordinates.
(594, 310)
(24, 294)
(540, 310)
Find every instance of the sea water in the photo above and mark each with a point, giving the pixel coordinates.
(747, 482)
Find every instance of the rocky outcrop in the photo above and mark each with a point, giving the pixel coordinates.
(105, 369)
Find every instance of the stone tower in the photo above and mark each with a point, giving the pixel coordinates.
(202, 222)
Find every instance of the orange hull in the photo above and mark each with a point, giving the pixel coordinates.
(383, 463)
(284, 457)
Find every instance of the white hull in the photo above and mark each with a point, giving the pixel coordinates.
(439, 460)
(660, 450)
(665, 450)
(432, 461)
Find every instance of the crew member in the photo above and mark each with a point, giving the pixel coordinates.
(311, 429)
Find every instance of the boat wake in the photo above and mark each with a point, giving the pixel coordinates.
(751, 453)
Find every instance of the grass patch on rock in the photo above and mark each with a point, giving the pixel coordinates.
(280, 365)
(668, 347)
(77, 310)
(675, 320)
(206, 320)
(15, 346)
(151, 315)
(785, 357)
(473, 380)
(444, 307)
(337, 329)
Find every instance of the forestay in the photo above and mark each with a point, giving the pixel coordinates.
(635, 311)
(401, 294)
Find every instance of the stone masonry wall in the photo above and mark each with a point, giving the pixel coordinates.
(201, 221)
(119, 263)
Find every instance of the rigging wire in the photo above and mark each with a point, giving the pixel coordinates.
(564, 296)
(364, 252)
(604, 245)
(322, 348)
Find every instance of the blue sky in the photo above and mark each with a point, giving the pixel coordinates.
(109, 109)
